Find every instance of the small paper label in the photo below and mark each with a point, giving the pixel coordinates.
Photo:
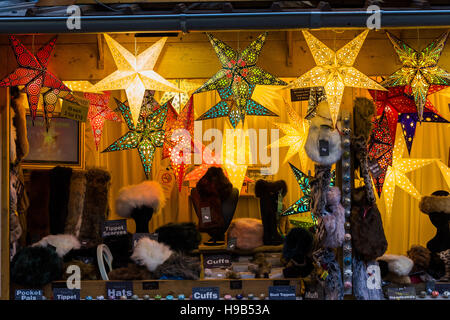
(231, 245)
(282, 293)
(167, 180)
(300, 94)
(28, 294)
(402, 293)
(114, 228)
(216, 260)
(374, 168)
(75, 110)
(66, 294)
(119, 289)
(206, 214)
(205, 293)
(324, 148)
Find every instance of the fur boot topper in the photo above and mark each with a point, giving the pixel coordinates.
(63, 243)
(147, 193)
(150, 253)
(429, 204)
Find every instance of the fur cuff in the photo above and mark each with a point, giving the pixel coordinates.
(147, 193)
(429, 204)
(62, 242)
(150, 253)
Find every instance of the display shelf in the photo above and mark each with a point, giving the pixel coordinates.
(175, 287)
(224, 249)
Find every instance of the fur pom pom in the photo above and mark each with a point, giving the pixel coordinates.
(147, 193)
(430, 204)
(62, 242)
(150, 253)
(397, 264)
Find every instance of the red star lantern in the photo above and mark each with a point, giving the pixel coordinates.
(178, 140)
(99, 112)
(32, 72)
(398, 101)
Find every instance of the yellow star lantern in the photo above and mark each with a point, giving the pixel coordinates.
(334, 71)
(180, 99)
(295, 132)
(396, 175)
(445, 171)
(81, 86)
(235, 156)
(135, 74)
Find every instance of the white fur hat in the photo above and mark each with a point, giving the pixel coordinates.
(147, 193)
(62, 242)
(150, 253)
(398, 264)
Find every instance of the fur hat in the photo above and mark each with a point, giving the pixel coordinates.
(62, 242)
(147, 193)
(179, 265)
(420, 256)
(179, 236)
(150, 253)
(321, 128)
(36, 266)
(248, 233)
(397, 264)
(131, 272)
(437, 202)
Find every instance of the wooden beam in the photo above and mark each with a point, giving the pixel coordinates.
(4, 210)
(44, 3)
(100, 53)
(290, 48)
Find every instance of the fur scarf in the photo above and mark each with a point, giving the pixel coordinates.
(62, 242)
(147, 193)
(20, 146)
(334, 219)
(333, 287)
(321, 128)
(150, 253)
(430, 204)
(76, 203)
(59, 198)
(96, 207)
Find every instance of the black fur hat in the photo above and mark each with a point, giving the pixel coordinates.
(183, 237)
(297, 253)
(36, 266)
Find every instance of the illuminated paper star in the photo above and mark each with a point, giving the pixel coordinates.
(295, 136)
(147, 135)
(98, 113)
(180, 99)
(399, 107)
(445, 171)
(396, 175)
(236, 81)
(178, 143)
(32, 72)
(135, 74)
(419, 70)
(49, 101)
(303, 204)
(334, 71)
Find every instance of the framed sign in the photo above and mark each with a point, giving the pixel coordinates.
(62, 144)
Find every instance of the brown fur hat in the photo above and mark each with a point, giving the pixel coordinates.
(434, 203)
(131, 272)
(420, 256)
(248, 233)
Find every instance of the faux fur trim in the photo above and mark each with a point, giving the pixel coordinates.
(12, 138)
(150, 253)
(20, 106)
(62, 242)
(147, 193)
(398, 265)
(429, 204)
(76, 203)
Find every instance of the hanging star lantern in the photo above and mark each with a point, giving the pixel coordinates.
(236, 81)
(419, 70)
(179, 99)
(396, 175)
(50, 99)
(295, 133)
(445, 171)
(98, 113)
(32, 72)
(135, 74)
(235, 157)
(178, 144)
(400, 107)
(334, 71)
(380, 148)
(146, 135)
(303, 205)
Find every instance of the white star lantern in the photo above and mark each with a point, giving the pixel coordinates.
(135, 74)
